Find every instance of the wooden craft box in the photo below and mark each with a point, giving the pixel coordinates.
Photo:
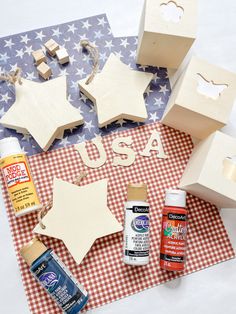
(210, 172)
(162, 42)
(192, 111)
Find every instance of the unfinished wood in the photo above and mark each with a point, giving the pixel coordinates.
(42, 110)
(44, 70)
(207, 172)
(62, 56)
(79, 216)
(39, 56)
(117, 92)
(163, 42)
(199, 109)
(51, 46)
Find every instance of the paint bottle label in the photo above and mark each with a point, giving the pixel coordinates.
(22, 191)
(59, 282)
(136, 234)
(173, 238)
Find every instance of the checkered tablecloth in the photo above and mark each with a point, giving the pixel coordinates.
(102, 272)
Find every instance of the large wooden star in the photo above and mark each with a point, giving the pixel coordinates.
(79, 216)
(42, 110)
(117, 92)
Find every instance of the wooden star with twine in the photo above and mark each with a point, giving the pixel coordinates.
(78, 216)
(40, 109)
(117, 91)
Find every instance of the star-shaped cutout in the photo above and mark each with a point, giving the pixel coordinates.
(85, 219)
(42, 110)
(117, 92)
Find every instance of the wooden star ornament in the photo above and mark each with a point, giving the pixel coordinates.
(79, 216)
(42, 110)
(117, 92)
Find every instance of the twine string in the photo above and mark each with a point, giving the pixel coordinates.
(49, 204)
(93, 51)
(12, 77)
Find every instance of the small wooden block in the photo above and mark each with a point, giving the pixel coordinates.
(39, 56)
(62, 56)
(44, 70)
(209, 174)
(164, 39)
(51, 47)
(202, 99)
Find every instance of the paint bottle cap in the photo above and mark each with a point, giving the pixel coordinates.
(175, 198)
(137, 192)
(9, 146)
(32, 250)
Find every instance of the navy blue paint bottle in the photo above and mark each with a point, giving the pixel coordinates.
(55, 277)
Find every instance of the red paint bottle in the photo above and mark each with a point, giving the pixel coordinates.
(173, 231)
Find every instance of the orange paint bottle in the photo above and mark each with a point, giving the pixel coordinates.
(174, 231)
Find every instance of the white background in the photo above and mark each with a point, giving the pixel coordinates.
(209, 291)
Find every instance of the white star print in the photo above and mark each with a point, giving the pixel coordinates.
(88, 125)
(5, 97)
(20, 53)
(63, 72)
(64, 142)
(82, 37)
(26, 137)
(133, 53)
(136, 41)
(77, 46)
(29, 50)
(124, 42)
(4, 57)
(74, 84)
(148, 90)
(72, 59)
(9, 43)
(72, 28)
(56, 32)
(83, 98)
(80, 72)
(143, 67)
(40, 35)
(30, 76)
(121, 122)
(13, 67)
(86, 24)
(81, 138)
(103, 57)
(102, 21)
(24, 39)
(158, 102)
(119, 54)
(109, 44)
(163, 89)
(155, 77)
(153, 117)
(98, 34)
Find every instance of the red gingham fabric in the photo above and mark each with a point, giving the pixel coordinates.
(102, 272)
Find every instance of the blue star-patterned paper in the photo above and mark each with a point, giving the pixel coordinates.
(16, 51)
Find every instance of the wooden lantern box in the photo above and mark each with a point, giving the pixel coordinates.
(211, 171)
(202, 99)
(167, 32)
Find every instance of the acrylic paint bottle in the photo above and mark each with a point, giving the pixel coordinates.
(136, 227)
(17, 177)
(54, 276)
(174, 231)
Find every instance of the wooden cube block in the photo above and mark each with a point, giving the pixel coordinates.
(62, 56)
(51, 47)
(202, 99)
(44, 70)
(167, 31)
(210, 171)
(39, 56)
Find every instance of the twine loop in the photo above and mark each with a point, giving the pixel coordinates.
(12, 77)
(93, 51)
(49, 204)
